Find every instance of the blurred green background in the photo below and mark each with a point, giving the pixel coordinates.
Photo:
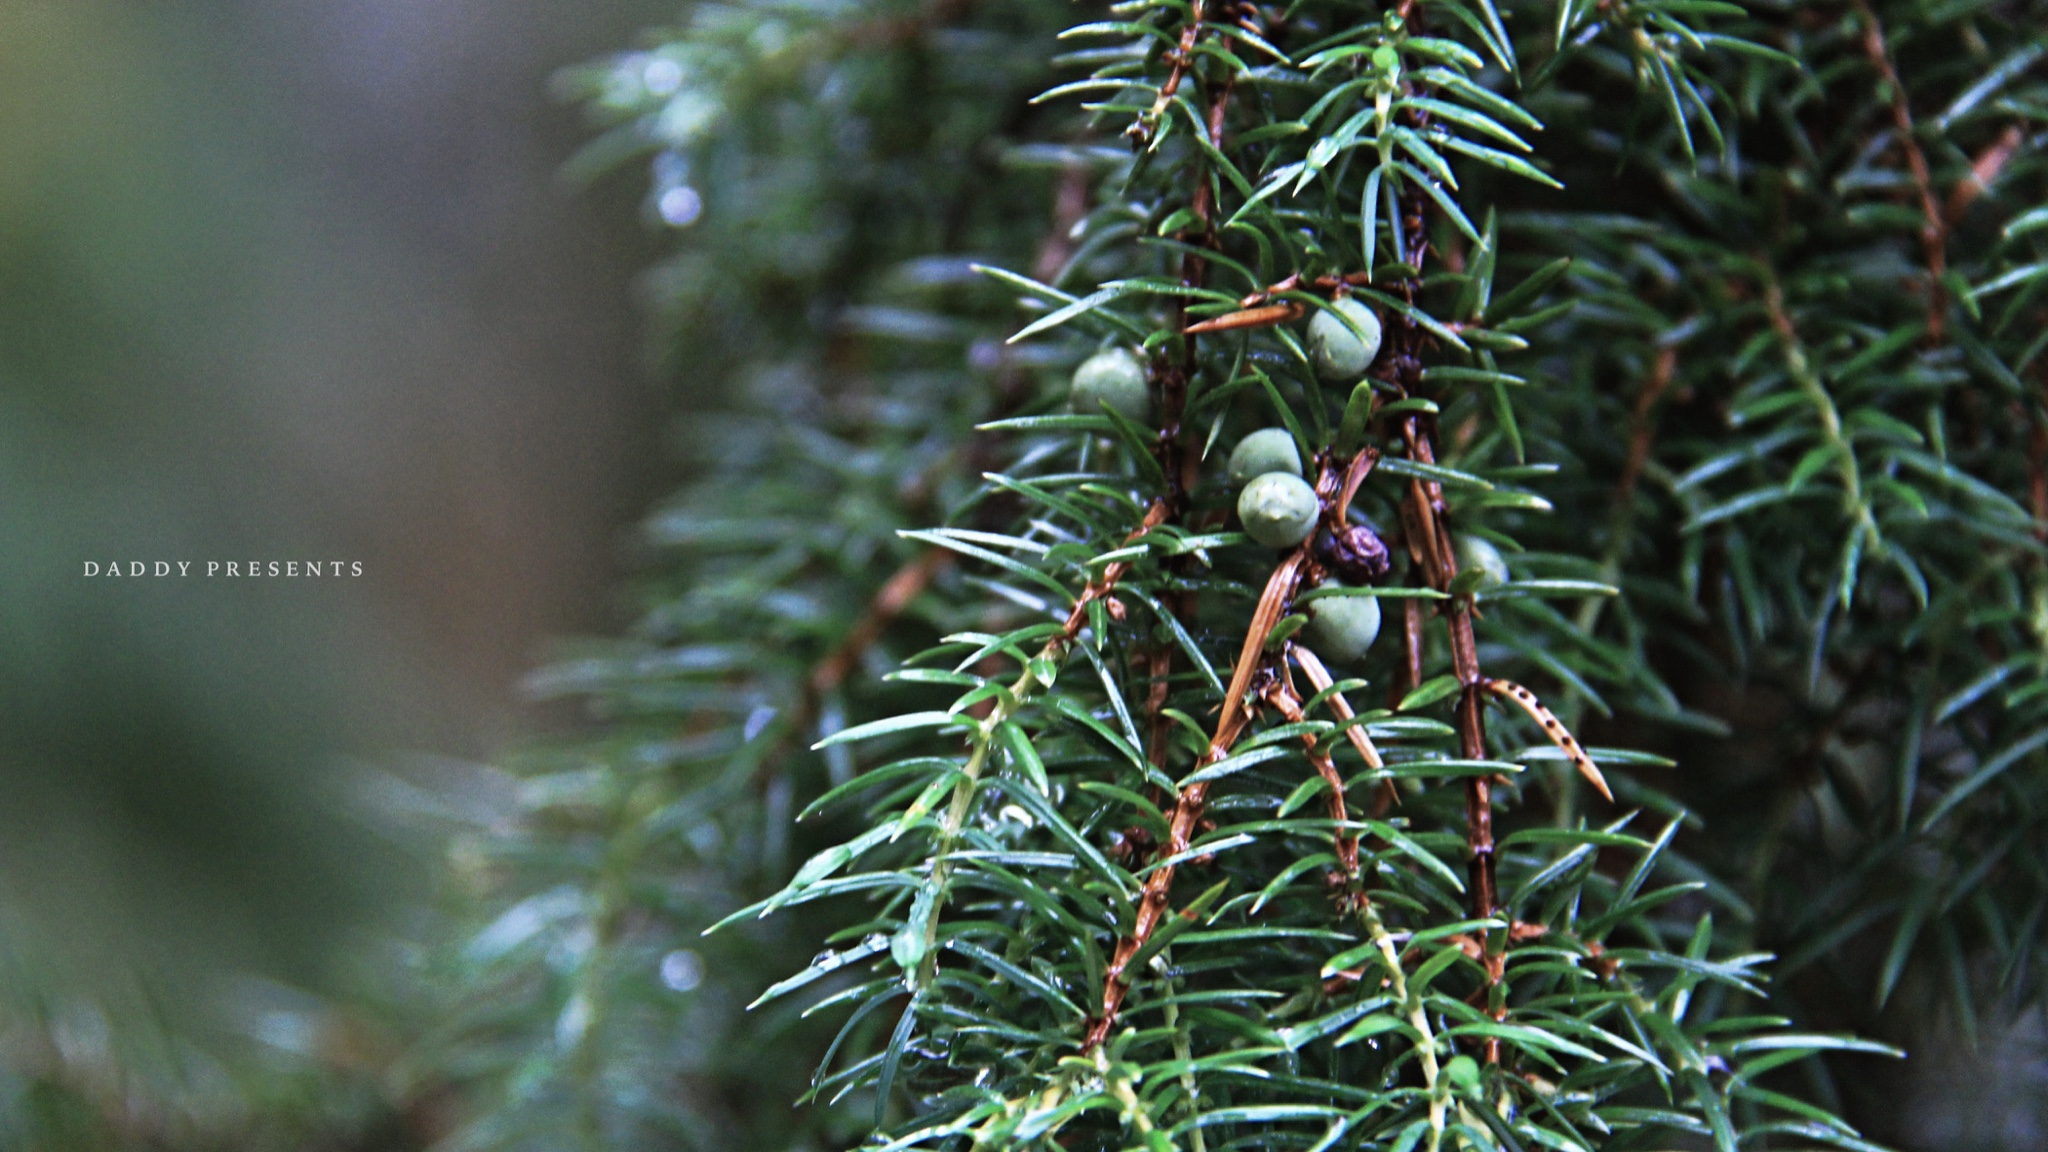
(286, 281)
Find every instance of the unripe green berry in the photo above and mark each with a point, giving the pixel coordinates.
(1474, 552)
(1267, 450)
(1463, 1073)
(1279, 510)
(1114, 377)
(1339, 354)
(1341, 628)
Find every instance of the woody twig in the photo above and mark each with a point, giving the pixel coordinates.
(1642, 434)
(1325, 686)
(1192, 799)
(1933, 227)
(1281, 695)
(1428, 537)
(1180, 463)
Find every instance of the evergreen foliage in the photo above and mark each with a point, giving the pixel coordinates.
(1706, 404)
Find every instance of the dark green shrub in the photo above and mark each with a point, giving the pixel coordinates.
(1718, 327)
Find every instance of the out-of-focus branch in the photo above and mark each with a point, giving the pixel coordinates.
(1933, 228)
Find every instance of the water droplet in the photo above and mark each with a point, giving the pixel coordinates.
(705, 839)
(770, 38)
(682, 970)
(662, 76)
(687, 116)
(680, 207)
(574, 1021)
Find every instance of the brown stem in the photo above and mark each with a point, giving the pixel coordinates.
(1192, 799)
(1182, 466)
(1283, 697)
(1152, 904)
(1471, 723)
(1101, 587)
(1158, 669)
(1070, 204)
(1983, 170)
(1642, 428)
(1179, 61)
(890, 600)
(907, 29)
(903, 586)
(1424, 518)
(1320, 676)
(1178, 460)
(1642, 433)
(1933, 229)
(1293, 281)
(1338, 513)
(990, 718)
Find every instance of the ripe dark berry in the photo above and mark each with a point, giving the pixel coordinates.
(1356, 555)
